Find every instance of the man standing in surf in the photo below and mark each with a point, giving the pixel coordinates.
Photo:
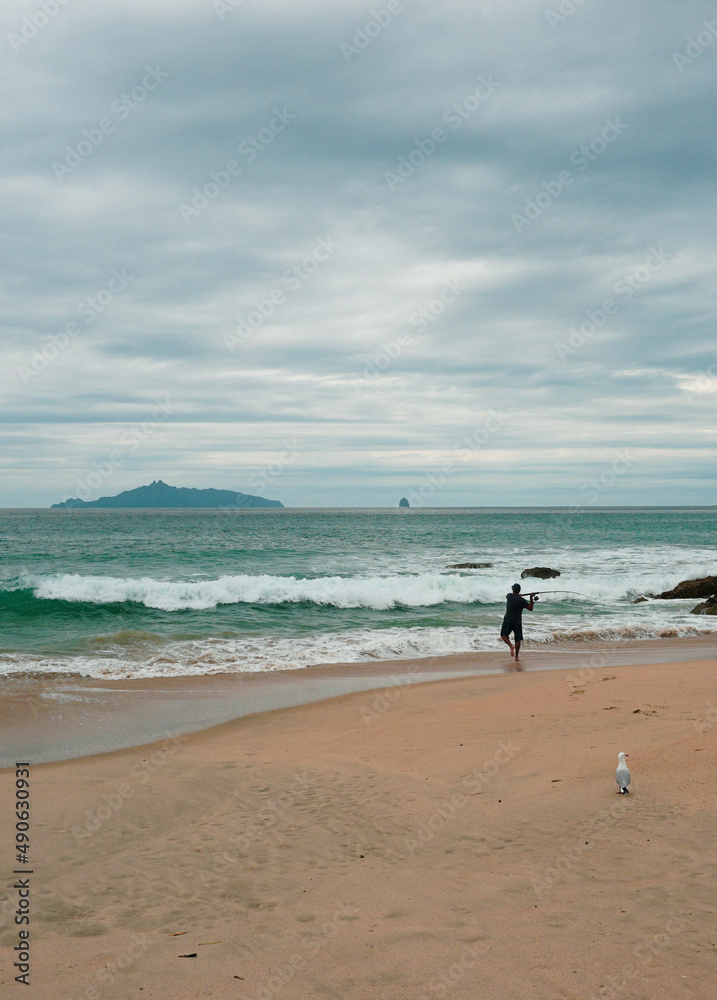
(513, 621)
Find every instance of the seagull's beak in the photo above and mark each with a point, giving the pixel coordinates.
(627, 754)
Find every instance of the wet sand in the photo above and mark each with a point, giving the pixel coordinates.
(58, 718)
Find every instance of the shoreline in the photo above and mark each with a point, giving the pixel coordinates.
(51, 718)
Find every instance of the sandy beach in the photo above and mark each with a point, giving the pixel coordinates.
(462, 838)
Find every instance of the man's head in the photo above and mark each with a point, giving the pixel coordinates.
(516, 588)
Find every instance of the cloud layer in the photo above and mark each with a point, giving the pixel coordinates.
(464, 250)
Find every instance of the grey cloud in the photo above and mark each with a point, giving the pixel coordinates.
(323, 175)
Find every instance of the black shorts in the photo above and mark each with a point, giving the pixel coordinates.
(515, 627)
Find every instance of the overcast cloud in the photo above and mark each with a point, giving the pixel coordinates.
(346, 251)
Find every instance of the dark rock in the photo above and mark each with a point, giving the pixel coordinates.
(640, 600)
(403, 502)
(541, 572)
(470, 566)
(693, 588)
(709, 607)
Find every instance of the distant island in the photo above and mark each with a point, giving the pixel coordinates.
(158, 494)
(403, 502)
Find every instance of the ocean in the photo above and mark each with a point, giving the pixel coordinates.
(124, 594)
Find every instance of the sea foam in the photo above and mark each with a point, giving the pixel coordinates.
(374, 592)
(270, 653)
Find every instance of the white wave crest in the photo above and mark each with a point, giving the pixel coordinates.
(610, 583)
(378, 593)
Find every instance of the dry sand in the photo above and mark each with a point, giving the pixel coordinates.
(460, 839)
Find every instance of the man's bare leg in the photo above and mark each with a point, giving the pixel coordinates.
(506, 640)
(517, 651)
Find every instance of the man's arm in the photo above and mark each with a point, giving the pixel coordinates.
(530, 603)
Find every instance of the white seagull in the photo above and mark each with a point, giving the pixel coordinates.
(622, 775)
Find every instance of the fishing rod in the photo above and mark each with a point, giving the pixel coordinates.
(535, 593)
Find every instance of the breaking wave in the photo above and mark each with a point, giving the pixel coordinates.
(374, 592)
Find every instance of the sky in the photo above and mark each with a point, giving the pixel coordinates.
(336, 253)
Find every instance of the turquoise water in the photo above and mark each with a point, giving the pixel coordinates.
(156, 593)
